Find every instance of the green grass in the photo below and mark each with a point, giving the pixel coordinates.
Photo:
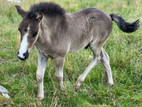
(125, 51)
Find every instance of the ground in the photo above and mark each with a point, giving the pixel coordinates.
(125, 51)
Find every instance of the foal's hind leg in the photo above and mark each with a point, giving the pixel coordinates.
(106, 64)
(96, 51)
(59, 63)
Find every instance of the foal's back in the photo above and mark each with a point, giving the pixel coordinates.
(86, 26)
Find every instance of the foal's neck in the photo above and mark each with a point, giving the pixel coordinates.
(51, 26)
(47, 28)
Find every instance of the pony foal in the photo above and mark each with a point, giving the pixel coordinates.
(56, 33)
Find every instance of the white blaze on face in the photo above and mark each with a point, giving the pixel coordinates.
(24, 44)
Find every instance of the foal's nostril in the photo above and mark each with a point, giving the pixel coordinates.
(23, 56)
(17, 52)
(26, 54)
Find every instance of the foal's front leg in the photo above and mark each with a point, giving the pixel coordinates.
(42, 61)
(59, 64)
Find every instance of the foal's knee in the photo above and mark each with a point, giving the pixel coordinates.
(60, 82)
(39, 77)
(59, 78)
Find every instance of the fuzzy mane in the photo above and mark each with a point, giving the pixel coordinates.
(47, 8)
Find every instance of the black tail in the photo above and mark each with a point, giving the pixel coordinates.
(125, 26)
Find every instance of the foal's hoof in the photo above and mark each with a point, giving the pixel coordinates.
(77, 86)
(40, 98)
(62, 88)
(109, 85)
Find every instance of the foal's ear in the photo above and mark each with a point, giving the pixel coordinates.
(39, 16)
(20, 11)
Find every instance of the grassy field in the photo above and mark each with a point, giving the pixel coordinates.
(125, 51)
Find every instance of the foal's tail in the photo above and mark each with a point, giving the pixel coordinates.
(125, 26)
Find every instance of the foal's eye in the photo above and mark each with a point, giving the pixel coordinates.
(25, 30)
(34, 34)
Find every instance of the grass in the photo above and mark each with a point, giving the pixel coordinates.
(125, 51)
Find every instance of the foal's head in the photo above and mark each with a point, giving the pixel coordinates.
(30, 24)
(29, 31)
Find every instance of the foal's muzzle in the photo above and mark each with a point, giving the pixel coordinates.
(24, 56)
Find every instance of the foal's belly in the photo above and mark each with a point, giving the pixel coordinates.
(79, 44)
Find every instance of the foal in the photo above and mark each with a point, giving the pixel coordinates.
(56, 33)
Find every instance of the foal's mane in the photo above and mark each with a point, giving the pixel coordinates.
(47, 8)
